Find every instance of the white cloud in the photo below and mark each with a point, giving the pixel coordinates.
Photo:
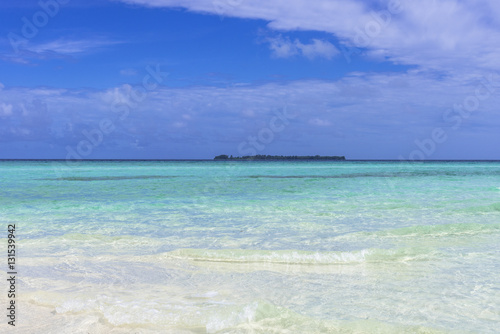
(450, 35)
(317, 48)
(5, 110)
(128, 72)
(69, 47)
(283, 48)
(56, 49)
(117, 95)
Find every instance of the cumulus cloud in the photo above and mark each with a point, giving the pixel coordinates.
(283, 48)
(27, 122)
(317, 48)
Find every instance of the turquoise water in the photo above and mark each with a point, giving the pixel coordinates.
(255, 247)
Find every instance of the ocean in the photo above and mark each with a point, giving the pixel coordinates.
(253, 247)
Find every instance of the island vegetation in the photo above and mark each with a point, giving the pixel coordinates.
(261, 157)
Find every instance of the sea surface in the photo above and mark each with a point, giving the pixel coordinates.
(253, 247)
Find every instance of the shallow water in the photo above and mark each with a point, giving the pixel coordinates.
(255, 247)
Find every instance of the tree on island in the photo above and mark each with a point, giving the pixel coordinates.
(261, 157)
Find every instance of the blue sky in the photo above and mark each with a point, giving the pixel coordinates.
(160, 79)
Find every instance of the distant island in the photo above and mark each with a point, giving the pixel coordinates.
(279, 157)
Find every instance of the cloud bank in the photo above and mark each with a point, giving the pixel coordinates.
(178, 122)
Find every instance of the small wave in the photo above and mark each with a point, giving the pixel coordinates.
(106, 313)
(495, 207)
(84, 244)
(252, 317)
(438, 230)
(263, 317)
(371, 255)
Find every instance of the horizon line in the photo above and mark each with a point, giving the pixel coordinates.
(237, 160)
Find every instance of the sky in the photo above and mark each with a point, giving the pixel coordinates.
(192, 79)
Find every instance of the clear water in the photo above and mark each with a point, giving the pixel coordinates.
(255, 247)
